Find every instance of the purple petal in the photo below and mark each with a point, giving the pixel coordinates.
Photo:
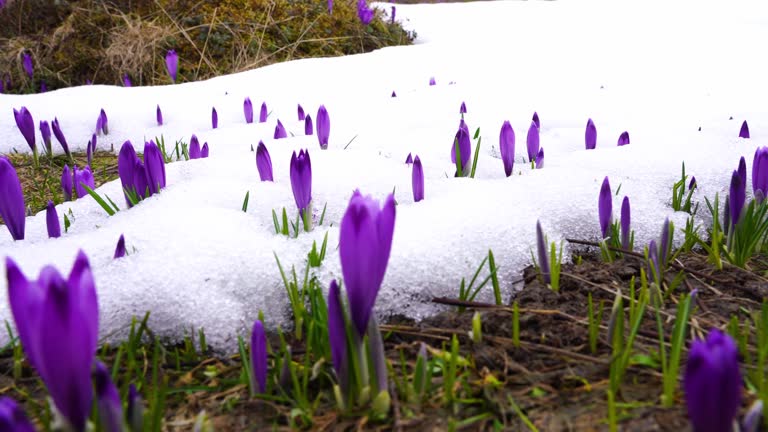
(323, 127)
(259, 357)
(417, 180)
(605, 207)
(590, 135)
(52, 221)
(12, 207)
(507, 147)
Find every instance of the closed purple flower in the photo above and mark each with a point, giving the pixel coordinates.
(259, 357)
(194, 148)
(692, 184)
(392, 16)
(540, 159)
(126, 168)
(308, 129)
(66, 183)
(365, 241)
(417, 180)
(57, 321)
(120, 248)
(60, 137)
(330, 6)
(760, 171)
(12, 417)
(605, 207)
(103, 122)
(744, 131)
(52, 221)
(301, 113)
(159, 115)
(43, 87)
(409, 159)
(712, 383)
(89, 153)
(107, 399)
(127, 81)
(623, 139)
(337, 335)
(263, 162)
(465, 147)
(280, 131)
(26, 62)
(463, 108)
(364, 12)
(301, 179)
(625, 224)
(45, 132)
(323, 127)
(204, 151)
(590, 135)
(541, 248)
(653, 258)
(743, 170)
(83, 177)
(263, 113)
(432, 81)
(26, 125)
(248, 110)
(214, 118)
(172, 64)
(154, 166)
(737, 196)
(507, 147)
(532, 141)
(535, 120)
(394, 94)
(12, 208)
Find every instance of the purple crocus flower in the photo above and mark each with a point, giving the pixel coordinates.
(760, 171)
(127, 81)
(712, 383)
(66, 183)
(653, 258)
(280, 131)
(726, 214)
(43, 87)
(308, 129)
(323, 126)
(259, 357)
(154, 166)
(692, 184)
(301, 179)
(12, 208)
(12, 417)
(465, 147)
(159, 116)
(432, 81)
(623, 139)
(26, 62)
(463, 108)
(89, 153)
(60, 137)
(26, 125)
(417, 180)
(126, 168)
(330, 6)
(57, 321)
(394, 94)
(172, 64)
(103, 122)
(52, 221)
(590, 135)
(535, 120)
(248, 110)
(625, 224)
(337, 336)
(743, 170)
(744, 131)
(409, 159)
(263, 162)
(45, 131)
(364, 12)
(364, 245)
(532, 141)
(263, 113)
(214, 118)
(541, 248)
(507, 147)
(301, 113)
(134, 412)
(204, 151)
(605, 207)
(120, 248)
(83, 177)
(194, 148)
(540, 159)
(107, 399)
(392, 17)
(737, 197)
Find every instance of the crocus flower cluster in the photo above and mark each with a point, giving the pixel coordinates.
(195, 151)
(81, 178)
(465, 148)
(323, 126)
(744, 131)
(364, 12)
(590, 135)
(57, 321)
(417, 180)
(248, 110)
(140, 180)
(263, 162)
(91, 149)
(12, 207)
(172, 64)
(301, 184)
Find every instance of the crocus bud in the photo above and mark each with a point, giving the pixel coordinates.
(625, 224)
(541, 248)
(12, 417)
(308, 129)
(737, 197)
(194, 148)
(432, 81)
(83, 177)
(323, 126)
(43, 87)
(394, 94)
(248, 110)
(605, 208)
(263, 162)
(540, 158)
(726, 215)
(93, 143)
(753, 417)
(330, 6)
(204, 151)
(744, 131)
(337, 336)
(60, 137)
(134, 412)
(535, 120)
(417, 179)
(665, 243)
(66, 183)
(26, 62)
(623, 139)
(126, 168)
(280, 131)
(301, 179)
(377, 352)
(159, 116)
(301, 113)
(52, 221)
(45, 131)
(120, 248)
(743, 170)
(172, 64)
(107, 399)
(409, 159)
(465, 148)
(760, 170)
(263, 113)
(26, 125)
(507, 147)
(154, 166)
(214, 118)
(127, 81)
(392, 17)
(258, 357)
(463, 108)
(364, 12)
(692, 184)
(104, 122)
(590, 135)
(12, 208)
(653, 259)
(712, 383)
(532, 141)
(89, 153)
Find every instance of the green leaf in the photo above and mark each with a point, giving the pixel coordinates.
(110, 211)
(245, 201)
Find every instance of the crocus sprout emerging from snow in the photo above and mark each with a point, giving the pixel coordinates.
(532, 141)
(103, 122)
(52, 221)
(26, 62)
(540, 158)
(12, 417)
(214, 118)
(26, 125)
(625, 224)
(45, 132)
(323, 126)
(263, 113)
(83, 177)
(535, 120)
(263, 162)
(159, 116)
(280, 131)
(432, 81)
(301, 113)
(605, 207)
(409, 159)
(737, 197)
(760, 171)
(172, 63)
(712, 383)
(465, 148)
(57, 321)
(248, 110)
(12, 208)
(107, 399)
(337, 336)
(394, 94)
(365, 241)
(541, 248)
(120, 248)
(590, 135)
(301, 183)
(66, 183)
(744, 131)
(463, 108)
(507, 147)
(60, 137)
(417, 180)
(364, 12)
(308, 127)
(692, 184)
(259, 357)
(623, 139)
(194, 148)
(204, 151)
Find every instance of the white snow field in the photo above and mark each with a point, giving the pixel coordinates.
(659, 71)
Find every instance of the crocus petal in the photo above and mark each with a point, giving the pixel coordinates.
(625, 223)
(308, 129)
(172, 64)
(394, 94)
(535, 120)
(26, 299)
(66, 182)
(126, 166)
(409, 159)
(108, 399)
(417, 180)
(280, 131)
(204, 151)
(248, 110)
(154, 166)
(540, 158)
(52, 221)
(623, 139)
(744, 131)
(532, 141)
(120, 248)
(463, 108)
(194, 148)
(60, 136)
(432, 81)
(323, 126)
(159, 115)
(45, 132)
(259, 357)
(507, 147)
(301, 113)
(263, 113)
(337, 336)
(12, 207)
(263, 162)
(214, 118)
(605, 207)
(590, 135)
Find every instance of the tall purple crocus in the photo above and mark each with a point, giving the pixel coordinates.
(214, 118)
(172, 64)
(280, 131)
(744, 131)
(159, 116)
(712, 383)
(57, 321)
(301, 180)
(204, 151)
(154, 166)
(26, 62)
(107, 399)
(263, 162)
(760, 171)
(45, 132)
(301, 113)
(83, 177)
(323, 126)
(543, 256)
(625, 224)
(263, 113)
(258, 357)
(535, 120)
(52, 221)
(738, 196)
(66, 183)
(12, 208)
(12, 417)
(194, 148)
(605, 207)
(308, 128)
(623, 139)
(26, 125)
(126, 168)
(364, 245)
(120, 248)
(532, 141)
(507, 147)
(590, 135)
(337, 336)
(742, 170)
(60, 137)
(465, 148)
(392, 16)
(248, 110)
(417, 180)
(364, 12)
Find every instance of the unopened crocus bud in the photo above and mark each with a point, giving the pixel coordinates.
(172, 64)
(665, 242)
(26, 125)
(301, 179)
(154, 166)
(540, 158)
(280, 131)
(590, 135)
(364, 12)
(285, 370)
(301, 113)
(532, 141)
(337, 336)
(66, 183)
(394, 94)
(465, 148)
(204, 151)
(737, 197)
(623, 139)
(89, 153)
(104, 122)
(45, 131)
(12, 208)
(463, 108)
(308, 128)
(248, 110)
(120, 248)
(409, 159)
(263, 113)
(432, 81)
(744, 131)
(760, 170)
(323, 127)
(417, 180)
(392, 16)
(653, 259)
(107, 399)
(26, 62)
(12, 417)
(742, 170)
(605, 207)
(60, 137)
(535, 120)
(507, 147)
(159, 115)
(134, 412)
(127, 81)
(194, 148)
(43, 87)
(83, 178)
(263, 162)
(541, 248)
(726, 215)
(692, 184)
(330, 7)
(214, 118)
(625, 224)
(52, 221)
(258, 357)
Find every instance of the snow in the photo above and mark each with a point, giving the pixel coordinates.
(659, 71)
